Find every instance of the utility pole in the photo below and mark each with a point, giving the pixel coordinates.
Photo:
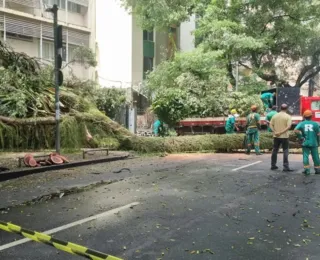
(58, 76)
(237, 75)
(311, 87)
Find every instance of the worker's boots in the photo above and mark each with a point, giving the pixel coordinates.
(307, 172)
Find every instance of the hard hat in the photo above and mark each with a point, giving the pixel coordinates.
(253, 107)
(307, 113)
(233, 111)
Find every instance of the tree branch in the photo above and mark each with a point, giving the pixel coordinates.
(244, 65)
(304, 71)
(310, 76)
(230, 74)
(267, 77)
(282, 16)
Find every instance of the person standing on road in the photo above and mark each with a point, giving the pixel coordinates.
(270, 115)
(280, 125)
(308, 133)
(252, 134)
(231, 122)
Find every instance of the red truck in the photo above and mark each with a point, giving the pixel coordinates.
(285, 95)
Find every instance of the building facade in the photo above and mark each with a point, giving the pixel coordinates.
(27, 27)
(126, 52)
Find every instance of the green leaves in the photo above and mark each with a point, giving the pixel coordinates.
(194, 84)
(160, 14)
(171, 106)
(109, 100)
(257, 32)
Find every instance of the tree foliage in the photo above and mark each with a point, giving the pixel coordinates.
(26, 85)
(109, 100)
(266, 38)
(194, 85)
(83, 56)
(257, 33)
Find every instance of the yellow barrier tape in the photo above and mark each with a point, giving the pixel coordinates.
(68, 247)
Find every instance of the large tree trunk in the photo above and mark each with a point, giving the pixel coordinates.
(219, 143)
(309, 71)
(111, 126)
(28, 121)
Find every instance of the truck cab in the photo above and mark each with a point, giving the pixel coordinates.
(313, 104)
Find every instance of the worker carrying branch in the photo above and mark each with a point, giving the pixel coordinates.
(231, 122)
(308, 133)
(253, 127)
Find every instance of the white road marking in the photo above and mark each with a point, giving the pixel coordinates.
(245, 166)
(67, 226)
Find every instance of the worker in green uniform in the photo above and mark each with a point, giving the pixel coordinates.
(253, 127)
(270, 115)
(267, 99)
(231, 122)
(157, 126)
(308, 133)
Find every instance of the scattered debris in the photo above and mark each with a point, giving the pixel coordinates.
(122, 169)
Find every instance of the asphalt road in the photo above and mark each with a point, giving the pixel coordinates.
(198, 207)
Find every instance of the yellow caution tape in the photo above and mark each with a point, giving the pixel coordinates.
(58, 244)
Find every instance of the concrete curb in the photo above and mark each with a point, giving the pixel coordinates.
(9, 175)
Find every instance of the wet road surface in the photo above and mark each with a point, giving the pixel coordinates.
(195, 206)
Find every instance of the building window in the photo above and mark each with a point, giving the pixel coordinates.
(48, 51)
(73, 7)
(315, 105)
(148, 36)
(147, 65)
(60, 3)
(18, 36)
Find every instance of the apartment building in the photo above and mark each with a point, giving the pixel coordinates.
(27, 27)
(126, 52)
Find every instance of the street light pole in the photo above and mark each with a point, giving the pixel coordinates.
(237, 75)
(58, 77)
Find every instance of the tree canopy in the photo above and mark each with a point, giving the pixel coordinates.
(256, 33)
(266, 38)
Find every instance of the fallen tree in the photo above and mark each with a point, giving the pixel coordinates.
(216, 143)
(38, 133)
(27, 106)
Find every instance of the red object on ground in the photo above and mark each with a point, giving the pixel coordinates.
(26, 159)
(65, 160)
(33, 162)
(56, 159)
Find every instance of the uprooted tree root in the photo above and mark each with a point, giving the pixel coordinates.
(217, 143)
